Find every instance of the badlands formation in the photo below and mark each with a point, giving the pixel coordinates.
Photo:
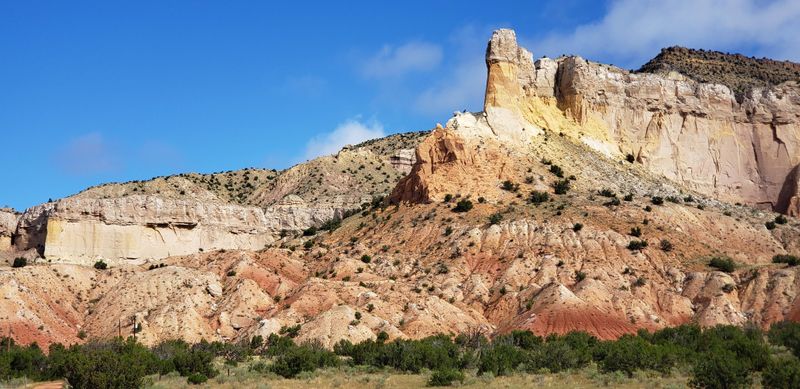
(568, 164)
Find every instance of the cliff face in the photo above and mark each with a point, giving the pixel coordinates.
(693, 133)
(144, 221)
(138, 228)
(8, 223)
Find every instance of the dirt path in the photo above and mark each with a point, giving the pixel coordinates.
(47, 385)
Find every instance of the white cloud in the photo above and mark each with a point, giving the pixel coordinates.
(86, 154)
(351, 132)
(392, 61)
(632, 31)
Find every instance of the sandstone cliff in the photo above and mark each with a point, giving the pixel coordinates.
(138, 228)
(693, 133)
(8, 223)
(177, 215)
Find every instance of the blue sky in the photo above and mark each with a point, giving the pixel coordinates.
(92, 92)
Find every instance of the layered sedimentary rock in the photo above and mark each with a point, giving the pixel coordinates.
(186, 213)
(138, 228)
(292, 213)
(693, 133)
(8, 223)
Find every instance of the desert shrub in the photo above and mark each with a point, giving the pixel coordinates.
(509, 185)
(445, 377)
(657, 200)
(720, 369)
(673, 199)
(290, 331)
(557, 171)
(636, 232)
(463, 206)
(780, 219)
(612, 202)
(630, 158)
(188, 359)
(114, 364)
(538, 197)
(501, 359)
(196, 379)
(665, 245)
(256, 342)
(448, 197)
(366, 258)
(607, 193)
(20, 262)
(786, 334)
(724, 264)
(628, 197)
(791, 260)
(641, 281)
(630, 353)
(561, 187)
(21, 361)
(308, 244)
(577, 227)
(310, 231)
(523, 339)
(435, 352)
(637, 245)
(302, 358)
(782, 373)
(580, 276)
(495, 218)
(558, 353)
(331, 224)
(747, 344)
(770, 225)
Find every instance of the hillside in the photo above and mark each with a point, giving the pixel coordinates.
(736, 71)
(583, 197)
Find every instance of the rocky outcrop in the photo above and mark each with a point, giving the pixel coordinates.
(402, 160)
(138, 228)
(292, 213)
(696, 134)
(175, 215)
(8, 223)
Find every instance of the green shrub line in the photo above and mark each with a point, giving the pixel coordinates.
(718, 357)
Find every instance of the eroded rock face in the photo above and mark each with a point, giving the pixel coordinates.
(138, 228)
(8, 224)
(468, 156)
(693, 133)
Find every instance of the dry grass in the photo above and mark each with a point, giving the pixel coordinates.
(356, 378)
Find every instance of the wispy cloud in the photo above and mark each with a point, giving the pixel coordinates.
(392, 61)
(632, 31)
(350, 132)
(87, 154)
